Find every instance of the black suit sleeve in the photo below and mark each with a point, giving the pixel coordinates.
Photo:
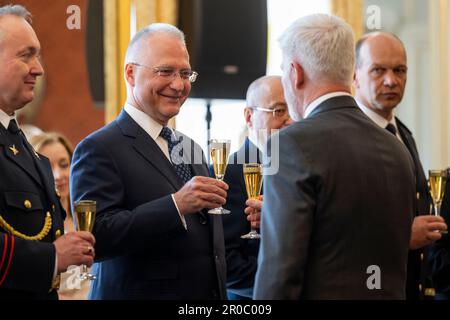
(118, 231)
(26, 265)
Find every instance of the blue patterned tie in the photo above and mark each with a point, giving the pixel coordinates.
(183, 170)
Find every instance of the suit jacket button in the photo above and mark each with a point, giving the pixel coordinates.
(53, 208)
(421, 257)
(420, 287)
(57, 234)
(27, 204)
(418, 195)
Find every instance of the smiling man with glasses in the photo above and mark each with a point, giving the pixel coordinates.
(170, 73)
(153, 238)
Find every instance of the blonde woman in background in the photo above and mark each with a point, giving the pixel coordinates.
(59, 151)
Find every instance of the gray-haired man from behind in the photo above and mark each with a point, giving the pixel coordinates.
(336, 218)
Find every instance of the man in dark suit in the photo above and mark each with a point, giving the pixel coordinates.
(154, 238)
(266, 111)
(440, 252)
(380, 79)
(32, 249)
(336, 218)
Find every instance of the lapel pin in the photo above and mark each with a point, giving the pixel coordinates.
(14, 150)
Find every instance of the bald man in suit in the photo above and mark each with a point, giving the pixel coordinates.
(380, 79)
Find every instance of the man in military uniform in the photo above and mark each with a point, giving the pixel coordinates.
(33, 249)
(380, 79)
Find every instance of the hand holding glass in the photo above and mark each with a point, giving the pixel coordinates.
(437, 180)
(253, 177)
(84, 211)
(220, 150)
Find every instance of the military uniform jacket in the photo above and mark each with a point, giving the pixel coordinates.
(31, 217)
(418, 283)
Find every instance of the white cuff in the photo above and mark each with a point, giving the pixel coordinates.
(183, 220)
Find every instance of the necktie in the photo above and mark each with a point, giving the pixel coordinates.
(182, 170)
(13, 128)
(21, 148)
(391, 128)
(18, 137)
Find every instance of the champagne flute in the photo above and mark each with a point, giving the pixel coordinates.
(220, 150)
(437, 180)
(84, 221)
(253, 177)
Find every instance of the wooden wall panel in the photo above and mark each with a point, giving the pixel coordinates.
(66, 105)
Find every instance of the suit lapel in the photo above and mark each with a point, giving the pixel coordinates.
(406, 137)
(43, 166)
(10, 149)
(146, 147)
(421, 180)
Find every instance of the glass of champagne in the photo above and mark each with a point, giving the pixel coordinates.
(253, 177)
(220, 150)
(84, 221)
(437, 180)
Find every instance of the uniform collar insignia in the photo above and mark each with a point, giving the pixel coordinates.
(14, 150)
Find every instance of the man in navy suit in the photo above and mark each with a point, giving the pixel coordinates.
(154, 239)
(33, 247)
(380, 79)
(266, 111)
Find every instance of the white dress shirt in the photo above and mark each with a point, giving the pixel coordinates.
(309, 109)
(150, 126)
(153, 129)
(379, 120)
(5, 118)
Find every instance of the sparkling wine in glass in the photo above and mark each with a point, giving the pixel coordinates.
(84, 212)
(437, 180)
(220, 151)
(253, 177)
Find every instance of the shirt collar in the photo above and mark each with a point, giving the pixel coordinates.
(321, 99)
(375, 117)
(5, 118)
(147, 123)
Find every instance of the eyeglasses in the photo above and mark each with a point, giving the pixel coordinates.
(171, 73)
(278, 111)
